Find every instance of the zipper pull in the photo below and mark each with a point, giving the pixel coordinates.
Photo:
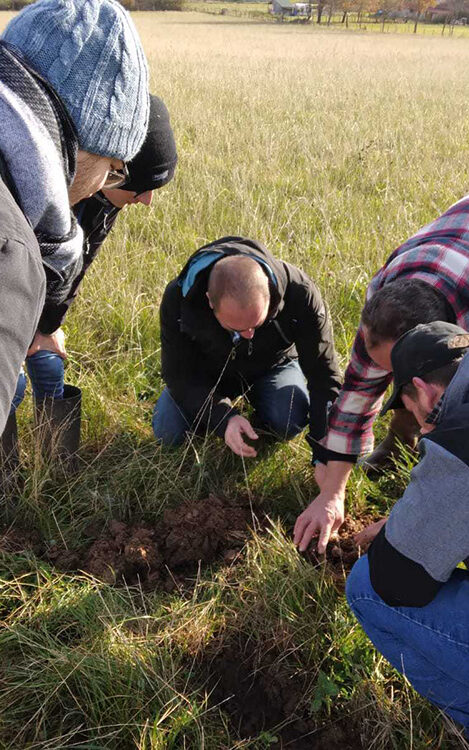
(250, 347)
(233, 353)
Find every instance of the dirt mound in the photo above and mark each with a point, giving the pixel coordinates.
(203, 530)
(193, 533)
(342, 552)
(16, 540)
(258, 695)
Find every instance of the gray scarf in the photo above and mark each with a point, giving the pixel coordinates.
(39, 146)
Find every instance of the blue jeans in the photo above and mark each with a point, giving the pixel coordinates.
(280, 399)
(430, 645)
(46, 371)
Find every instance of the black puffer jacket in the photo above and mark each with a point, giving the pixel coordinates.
(199, 358)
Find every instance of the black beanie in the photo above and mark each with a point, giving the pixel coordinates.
(156, 161)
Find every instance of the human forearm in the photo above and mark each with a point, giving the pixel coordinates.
(325, 514)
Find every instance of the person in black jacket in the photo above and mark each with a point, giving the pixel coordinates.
(237, 321)
(408, 592)
(151, 169)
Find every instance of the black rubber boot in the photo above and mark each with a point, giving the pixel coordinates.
(59, 424)
(404, 429)
(9, 458)
(9, 442)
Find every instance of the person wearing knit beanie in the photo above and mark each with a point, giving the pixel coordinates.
(151, 169)
(156, 161)
(90, 52)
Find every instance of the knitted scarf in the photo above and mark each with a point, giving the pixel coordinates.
(38, 146)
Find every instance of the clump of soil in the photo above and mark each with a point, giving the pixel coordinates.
(127, 553)
(259, 695)
(16, 540)
(203, 530)
(192, 533)
(342, 551)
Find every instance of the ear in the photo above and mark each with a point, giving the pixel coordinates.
(207, 295)
(428, 394)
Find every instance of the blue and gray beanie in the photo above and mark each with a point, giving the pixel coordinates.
(90, 52)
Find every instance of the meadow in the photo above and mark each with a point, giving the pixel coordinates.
(331, 148)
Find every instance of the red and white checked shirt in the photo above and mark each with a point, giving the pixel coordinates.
(438, 254)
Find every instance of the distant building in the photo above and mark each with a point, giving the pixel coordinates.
(302, 9)
(449, 11)
(282, 8)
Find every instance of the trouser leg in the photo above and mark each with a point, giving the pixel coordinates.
(19, 392)
(281, 400)
(430, 645)
(169, 422)
(46, 371)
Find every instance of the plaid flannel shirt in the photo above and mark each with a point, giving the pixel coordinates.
(438, 254)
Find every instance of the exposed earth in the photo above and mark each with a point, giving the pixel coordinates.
(251, 683)
(260, 696)
(192, 534)
(342, 552)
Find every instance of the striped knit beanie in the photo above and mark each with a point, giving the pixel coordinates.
(90, 52)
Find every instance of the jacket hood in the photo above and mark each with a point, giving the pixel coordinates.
(194, 276)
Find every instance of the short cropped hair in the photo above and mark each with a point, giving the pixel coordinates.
(239, 277)
(399, 306)
(442, 376)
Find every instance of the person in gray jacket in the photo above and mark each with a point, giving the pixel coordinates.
(409, 592)
(73, 109)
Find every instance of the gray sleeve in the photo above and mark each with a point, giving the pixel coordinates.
(430, 523)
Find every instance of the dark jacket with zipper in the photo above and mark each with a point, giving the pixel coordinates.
(96, 216)
(204, 368)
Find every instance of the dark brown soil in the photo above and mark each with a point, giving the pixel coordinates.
(16, 540)
(342, 552)
(259, 696)
(158, 556)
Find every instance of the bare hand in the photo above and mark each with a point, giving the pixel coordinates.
(237, 427)
(52, 342)
(321, 518)
(366, 535)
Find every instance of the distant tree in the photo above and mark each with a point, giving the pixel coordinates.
(387, 7)
(418, 7)
(346, 6)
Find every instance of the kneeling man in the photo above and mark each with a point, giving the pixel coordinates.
(237, 321)
(408, 593)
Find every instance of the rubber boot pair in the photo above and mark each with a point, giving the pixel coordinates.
(403, 430)
(58, 423)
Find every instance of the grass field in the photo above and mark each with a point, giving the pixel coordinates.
(331, 148)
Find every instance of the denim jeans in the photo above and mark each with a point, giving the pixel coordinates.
(46, 371)
(430, 645)
(280, 399)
